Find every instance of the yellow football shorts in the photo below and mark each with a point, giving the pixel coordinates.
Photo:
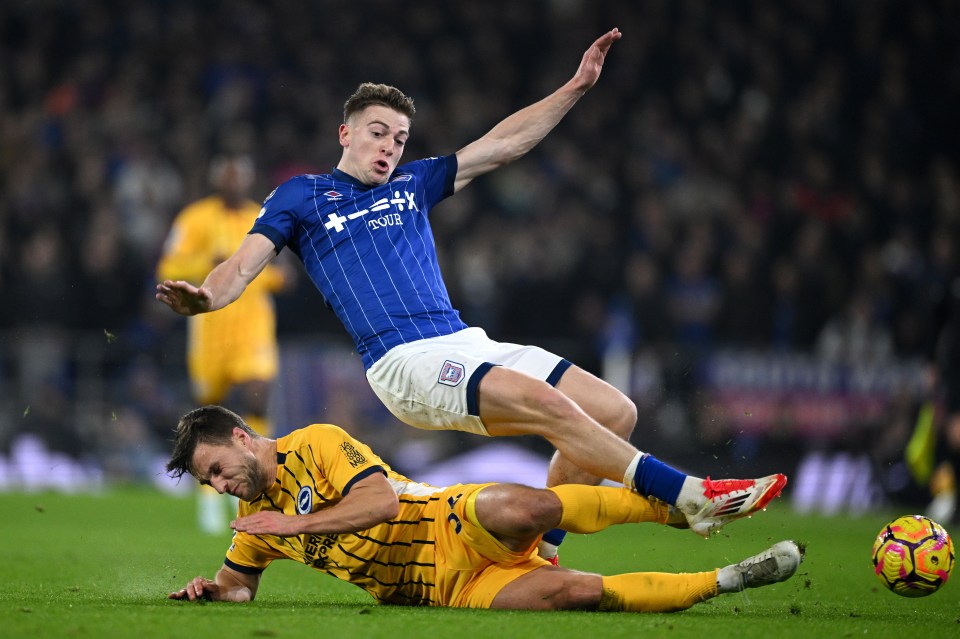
(472, 566)
(215, 366)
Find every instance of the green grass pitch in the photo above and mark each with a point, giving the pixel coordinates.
(101, 566)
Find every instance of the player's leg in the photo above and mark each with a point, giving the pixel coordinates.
(552, 588)
(251, 368)
(610, 408)
(209, 387)
(513, 403)
(467, 382)
(517, 515)
(604, 404)
(251, 399)
(502, 522)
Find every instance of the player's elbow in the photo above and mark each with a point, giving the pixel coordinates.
(372, 501)
(382, 507)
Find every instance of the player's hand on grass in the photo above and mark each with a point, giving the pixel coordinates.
(198, 588)
(592, 62)
(268, 522)
(184, 298)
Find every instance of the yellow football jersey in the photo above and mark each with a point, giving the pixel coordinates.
(430, 554)
(238, 342)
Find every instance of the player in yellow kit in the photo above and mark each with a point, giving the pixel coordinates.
(231, 355)
(322, 498)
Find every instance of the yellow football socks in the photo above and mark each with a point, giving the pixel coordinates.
(657, 591)
(588, 509)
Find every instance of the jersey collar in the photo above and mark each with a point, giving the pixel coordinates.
(346, 177)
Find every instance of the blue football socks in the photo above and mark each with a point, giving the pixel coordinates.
(656, 479)
(554, 536)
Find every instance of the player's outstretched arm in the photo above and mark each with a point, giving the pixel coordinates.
(229, 585)
(517, 134)
(225, 282)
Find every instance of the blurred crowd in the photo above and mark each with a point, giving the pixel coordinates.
(781, 176)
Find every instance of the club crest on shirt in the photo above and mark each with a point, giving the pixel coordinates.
(451, 373)
(305, 500)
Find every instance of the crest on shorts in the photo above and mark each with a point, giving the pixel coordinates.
(451, 373)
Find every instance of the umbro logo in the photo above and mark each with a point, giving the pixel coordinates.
(333, 195)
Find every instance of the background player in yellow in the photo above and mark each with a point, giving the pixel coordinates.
(320, 497)
(232, 357)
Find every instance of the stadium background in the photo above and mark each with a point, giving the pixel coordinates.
(750, 224)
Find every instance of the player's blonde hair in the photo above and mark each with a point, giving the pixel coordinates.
(206, 425)
(369, 94)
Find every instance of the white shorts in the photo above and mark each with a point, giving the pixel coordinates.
(432, 383)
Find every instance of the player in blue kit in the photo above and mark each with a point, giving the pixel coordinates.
(364, 237)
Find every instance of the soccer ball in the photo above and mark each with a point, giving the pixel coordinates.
(913, 556)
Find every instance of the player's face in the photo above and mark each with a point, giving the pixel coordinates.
(230, 468)
(373, 142)
(234, 178)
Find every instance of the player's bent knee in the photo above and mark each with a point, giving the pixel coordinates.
(517, 511)
(537, 513)
(619, 416)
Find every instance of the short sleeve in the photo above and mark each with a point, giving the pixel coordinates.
(251, 554)
(436, 176)
(278, 217)
(346, 460)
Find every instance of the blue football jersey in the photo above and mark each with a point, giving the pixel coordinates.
(370, 250)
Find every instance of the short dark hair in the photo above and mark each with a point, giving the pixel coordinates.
(369, 94)
(206, 425)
